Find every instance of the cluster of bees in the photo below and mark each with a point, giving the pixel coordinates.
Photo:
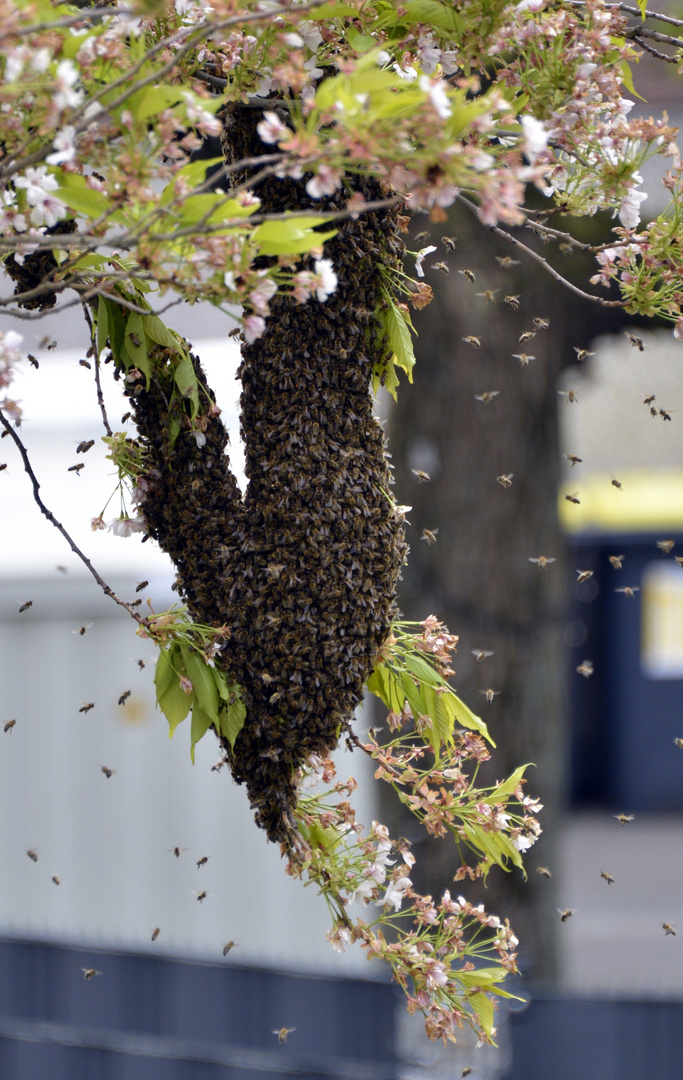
(304, 568)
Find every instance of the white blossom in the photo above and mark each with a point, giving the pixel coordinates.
(65, 79)
(420, 258)
(327, 280)
(393, 897)
(126, 526)
(39, 185)
(271, 129)
(254, 327)
(64, 145)
(629, 209)
(325, 182)
(535, 136)
(436, 92)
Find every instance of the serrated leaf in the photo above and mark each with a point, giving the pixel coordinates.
(185, 378)
(201, 722)
(135, 341)
(627, 76)
(160, 334)
(193, 175)
(102, 332)
(171, 698)
(482, 1007)
(75, 193)
(232, 720)
(293, 237)
(201, 677)
(500, 793)
(385, 684)
(399, 340)
(423, 670)
(467, 719)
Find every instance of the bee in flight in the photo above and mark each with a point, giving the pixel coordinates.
(107, 771)
(607, 877)
(90, 973)
(569, 395)
(541, 561)
(565, 913)
(228, 946)
(429, 535)
(513, 301)
(666, 546)
(468, 274)
(481, 654)
(422, 477)
(573, 498)
(487, 396)
(490, 694)
(582, 354)
(505, 480)
(505, 262)
(629, 590)
(624, 819)
(617, 561)
(475, 342)
(282, 1033)
(584, 575)
(544, 871)
(573, 460)
(668, 929)
(585, 668)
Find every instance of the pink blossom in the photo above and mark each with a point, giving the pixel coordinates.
(325, 182)
(436, 92)
(271, 129)
(437, 974)
(259, 297)
(254, 327)
(126, 526)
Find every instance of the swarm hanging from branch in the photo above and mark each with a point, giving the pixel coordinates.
(303, 570)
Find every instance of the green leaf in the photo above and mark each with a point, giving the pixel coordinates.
(171, 698)
(193, 174)
(75, 193)
(423, 670)
(232, 719)
(432, 13)
(482, 1007)
(627, 76)
(160, 334)
(201, 722)
(151, 100)
(467, 719)
(642, 4)
(102, 325)
(500, 793)
(293, 237)
(385, 684)
(186, 380)
(136, 344)
(399, 340)
(360, 42)
(201, 676)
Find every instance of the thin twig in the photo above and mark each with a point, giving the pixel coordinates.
(655, 52)
(98, 384)
(544, 262)
(636, 11)
(108, 591)
(654, 35)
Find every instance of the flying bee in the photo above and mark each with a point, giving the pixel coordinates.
(32, 854)
(528, 335)
(607, 877)
(584, 575)
(679, 559)
(624, 819)
(76, 468)
(141, 585)
(203, 861)
(666, 545)
(468, 274)
(7, 728)
(524, 358)
(668, 929)
(487, 396)
(541, 324)
(87, 706)
(505, 479)
(489, 294)
(569, 395)
(505, 262)
(565, 913)
(155, 932)
(124, 697)
(176, 851)
(82, 629)
(32, 361)
(25, 606)
(466, 1071)
(422, 477)
(679, 743)
(228, 946)
(3, 466)
(47, 343)
(489, 694)
(635, 341)
(475, 342)
(141, 663)
(582, 354)
(217, 766)
(429, 535)
(573, 460)
(84, 446)
(542, 561)
(481, 654)
(449, 242)
(585, 668)
(90, 973)
(665, 415)
(616, 483)
(649, 399)
(616, 561)
(544, 871)
(56, 880)
(573, 498)
(201, 896)
(282, 1033)
(422, 238)
(442, 267)
(107, 771)
(653, 411)
(629, 590)
(513, 301)
(126, 416)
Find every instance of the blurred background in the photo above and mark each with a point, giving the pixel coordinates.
(588, 683)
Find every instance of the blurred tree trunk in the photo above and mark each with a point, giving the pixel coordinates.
(477, 577)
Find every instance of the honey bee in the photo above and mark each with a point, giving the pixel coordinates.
(544, 871)
(489, 294)
(582, 354)
(82, 629)
(541, 324)
(422, 238)
(468, 274)
(616, 483)
(584, 575)
(629, 590)
(624, 819)
(442, 266)
(585, 668)
(141, 585)
(505, 479)
(87, 706)
(487, 396)
(32, 361)
(3, 466)
(7, 728)
(176, 851)
(47, 343)
(422, 477)
(542, 561)
(475, 342)
(635, 341)
(201, 896)
(573, 498)
(566, 913)
(155, 932)
(569, 395)
(679, 743)
(84, 446)
(466, 1071)
(505, 262)
(203, 861)
(107, 771)
(573, 460)
(607, 877)
(25, 606)
(449, 242)
(124, 697)
(32, 854)
(528, 335)
(668, 929)
(429, 535)
(76, 468)
(664, 414)
(141, 663)
(653, 411)
(616, 561)
(524, 358)
(666, 545)
(56, 880)
(274, 570)
(126, 416)
(513, 301)
(481, 654)
(90, 973)
(228, 946)
(490, 694)
(282, 1033)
